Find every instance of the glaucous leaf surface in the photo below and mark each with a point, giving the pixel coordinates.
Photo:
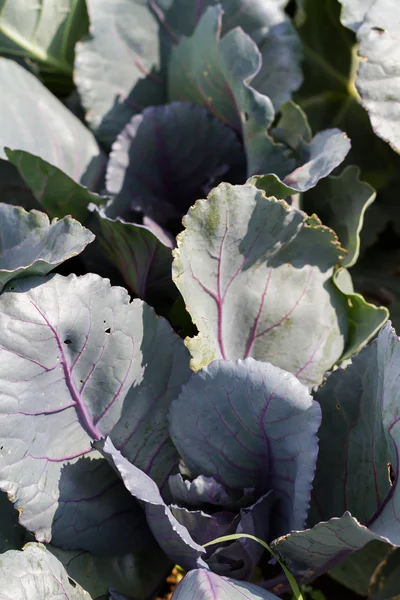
(136, 575)
(48, 129)
(79, 361)
(250, 425)
(172, 536)
(360, 412)
(143, 260)
(117, 65)
(45, 33)
(311, 552)
(341, 202)
(166, 158)
(54, 191)
(353, 12)
(378, 74)
(32, 245)
(35, 574)
(200, 584)
(218, 77)
(255, 274)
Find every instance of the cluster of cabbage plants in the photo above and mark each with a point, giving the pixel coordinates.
(199, 243)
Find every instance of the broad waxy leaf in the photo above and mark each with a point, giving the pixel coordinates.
(250, 425)
(313, 551)
(254, 275)
(45, 32)
(79, 361)
(360, 412)
(219, 78)
(200, 584)
(35, 574)
(341, 202)
(137, 575)
(116, 67)
(32, 245)
(54, 191)
(143, 260)
(166, 158)
(379, 71)
(47, 129)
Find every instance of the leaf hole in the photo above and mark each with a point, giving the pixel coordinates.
(338, 406)
(71, 582)
(68, 341)
(378, 29)
(245, 117)
(1, 447)
(108, 330)
(12, 288)
(391, 474)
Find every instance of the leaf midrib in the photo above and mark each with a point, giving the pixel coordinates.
(34, 50)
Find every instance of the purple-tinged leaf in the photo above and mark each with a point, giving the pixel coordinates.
(173, 537)
(35, 574)
(204, 527)
(137, 575)
(201, 584)
(143, 260)
(250, 424)
(216, 73)
(32, 245)
(166, 158)
(311, 552)
(47, 129)
(256, 263)
(116, 65)
(78, 361)
(54, 191)
(207, 490)
(240, 558)
(360, 472)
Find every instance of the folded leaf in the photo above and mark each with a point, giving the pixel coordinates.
(143, 260)
(166, 158)
(79, 361)
(250, 425)
(360, 412)
(216, 73)
(313, 551)
(54, 191)
(172, 536)
(199, 584)
(32, 245)
(47, 128)
(255, 274)
(46, 34)
(35, 574)
(319, 158)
